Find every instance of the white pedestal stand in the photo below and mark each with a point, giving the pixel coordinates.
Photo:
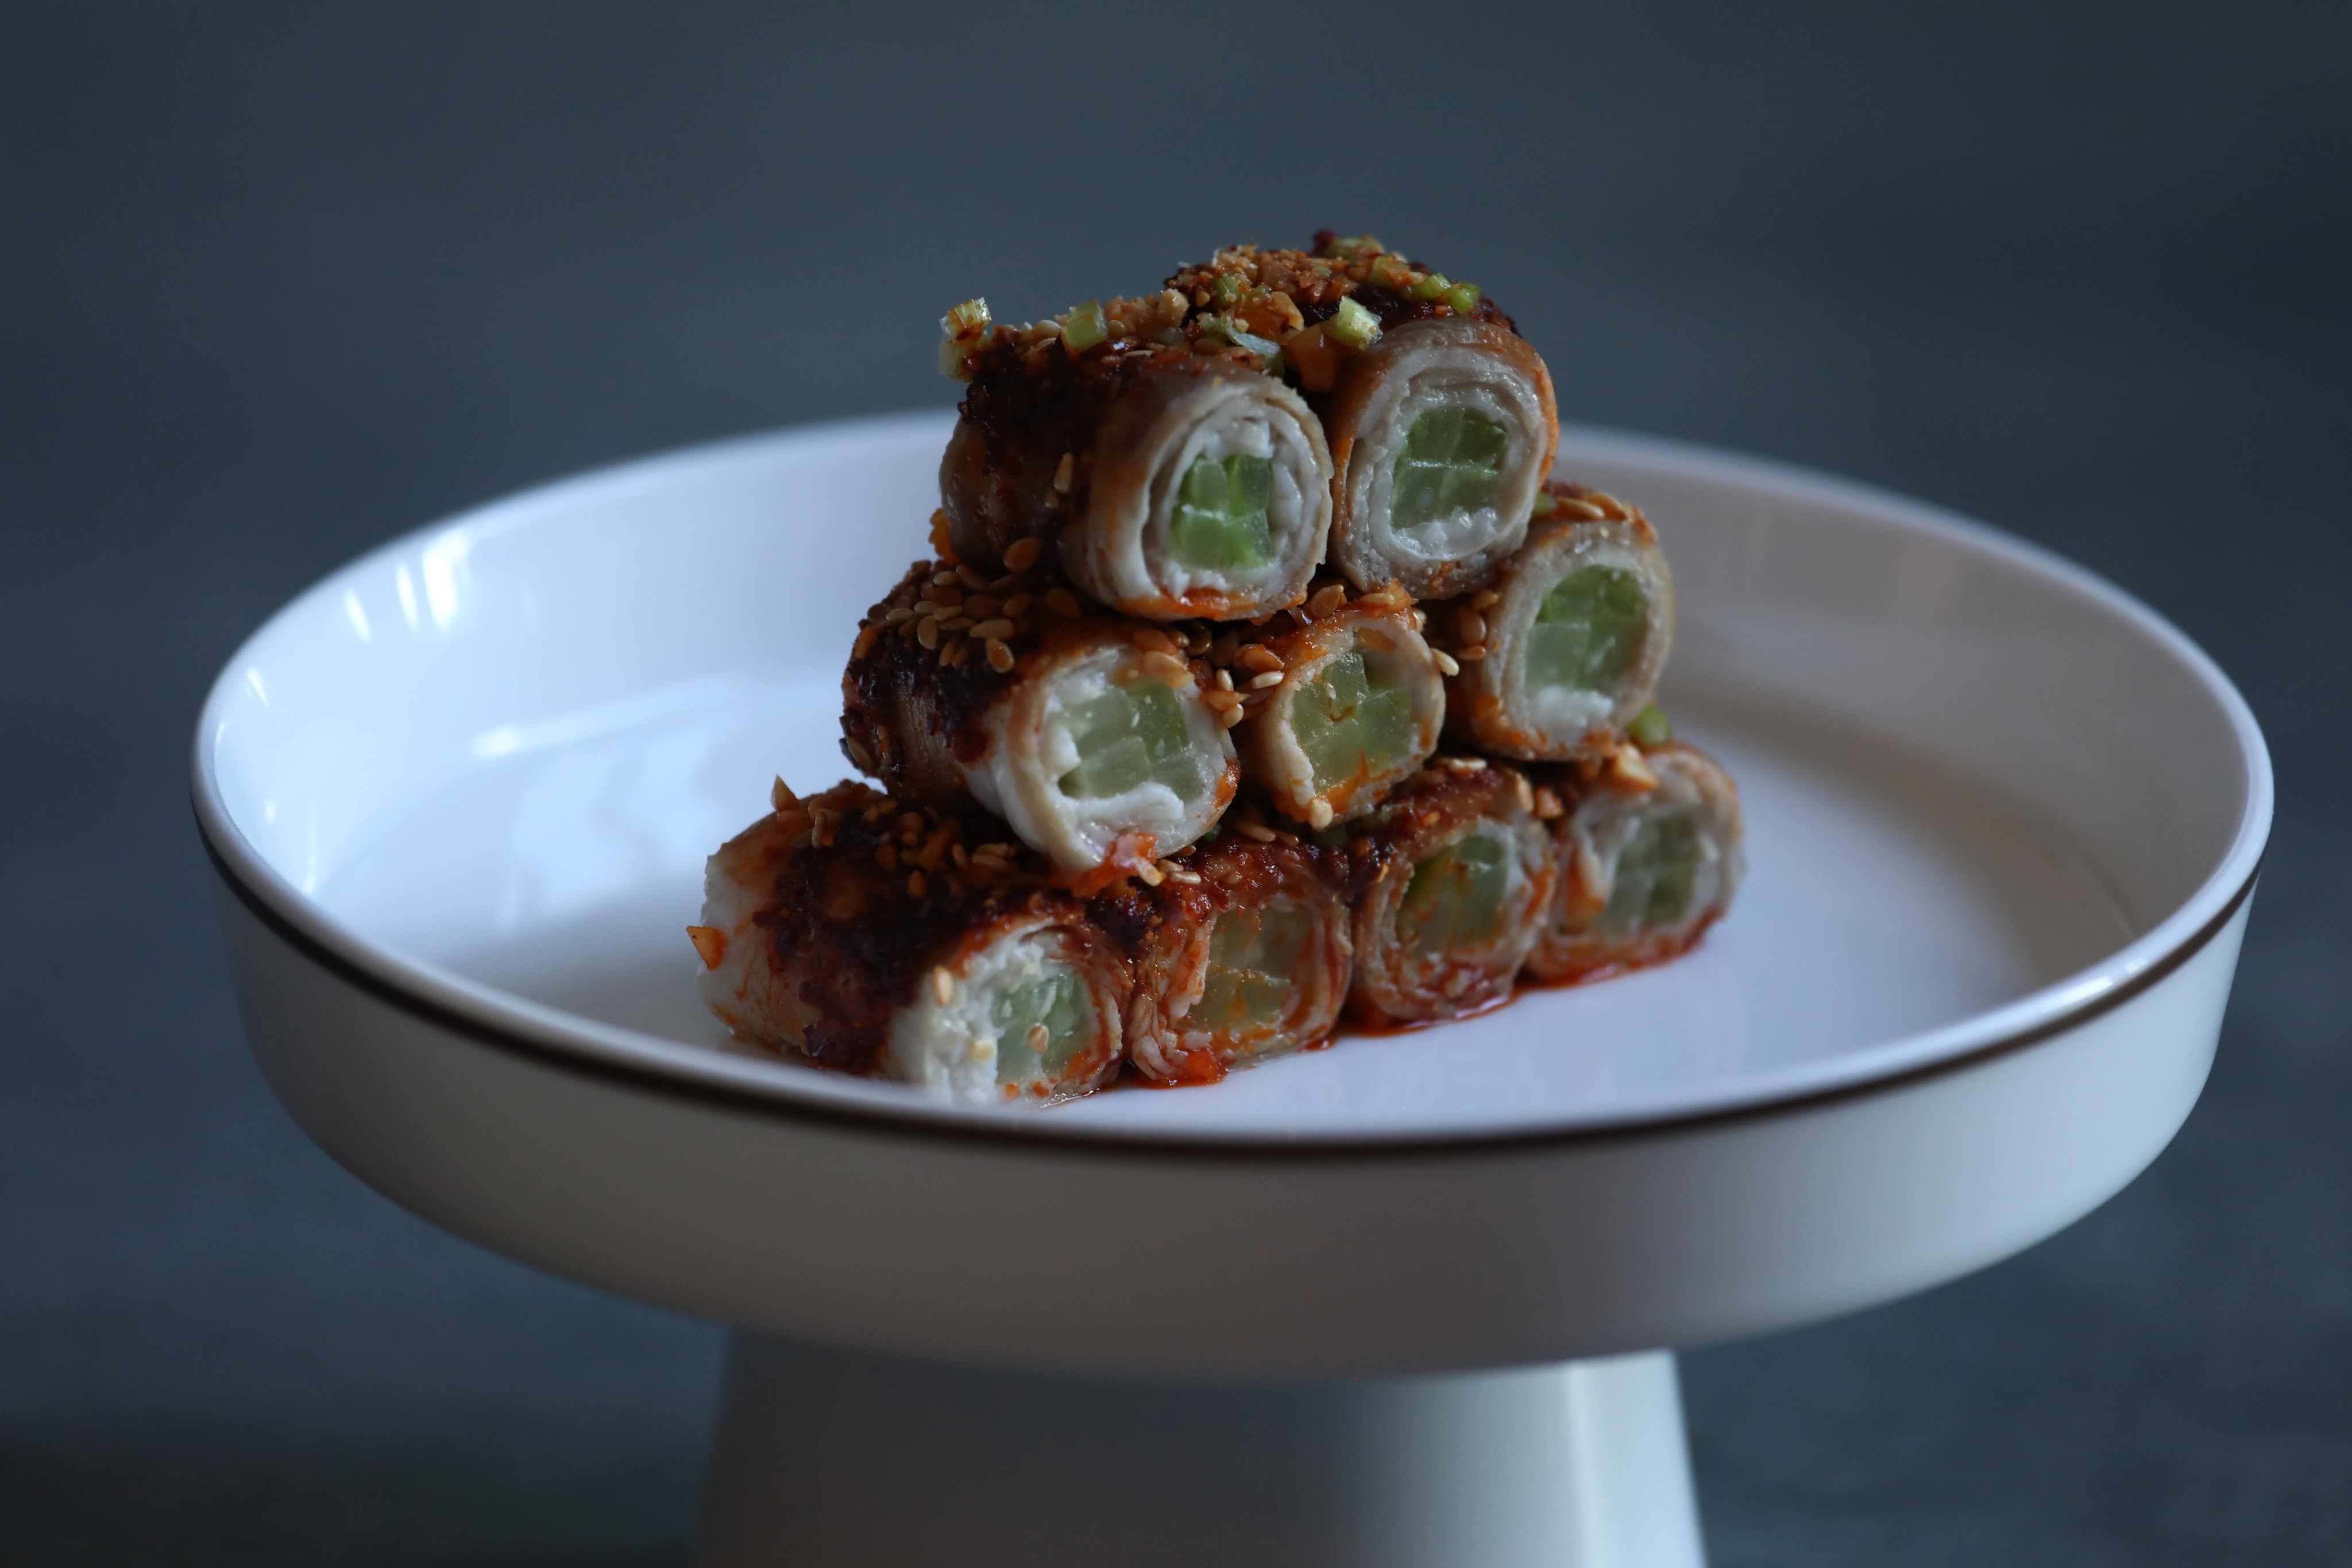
(825, 1459)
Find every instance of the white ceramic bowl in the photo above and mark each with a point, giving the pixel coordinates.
(2004, 823)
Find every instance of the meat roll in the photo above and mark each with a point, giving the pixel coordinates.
(1651, 852)
(1240, 953)
(1440, 416)
(871, 938)
(1092, 735)
(1454, 875)
(1175, 476)
(1342, 700)
(1561, 651)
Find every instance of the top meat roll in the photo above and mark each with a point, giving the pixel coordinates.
(1441, 419)
(1175, 476)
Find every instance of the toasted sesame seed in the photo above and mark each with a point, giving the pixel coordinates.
(1062, 602)
(997, 626)
(1063, 471)
(1484, 599)
(1151, 875)
(1000, 658)
(781, 796)
(983, 606)
(1548, 804)
(1021, 553)
(1328, 600)
(1233, 715)
(1445, 662)
(1039, 1038)
(1255, 831)
(1580, 509)
(1017, 606)
(942, 987)
(1178, 874)
(1166, 666)
(1319, 814)
(1471, 655)
(971, 578)
(1224, 680)
(916, 886)
(1153, 639)
(1525, 791)
(927, 632)
(945, 579)
(1261, 683)
(1469, 625)
(1258, 655)
(896, 614)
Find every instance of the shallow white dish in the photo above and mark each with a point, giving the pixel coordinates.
(463, 789)
(2004, 826)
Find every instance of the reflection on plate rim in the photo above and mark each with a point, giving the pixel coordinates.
(791, 1092)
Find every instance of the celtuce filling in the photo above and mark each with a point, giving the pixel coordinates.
(1457, 896)
(1220, 523)
(1353, 719)
(1656, 873)
(1253, 956)
(1587, 633)
(1452, 465)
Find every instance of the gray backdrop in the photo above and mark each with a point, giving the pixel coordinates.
(276, 284)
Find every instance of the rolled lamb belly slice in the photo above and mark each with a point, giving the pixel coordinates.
(1454, 875)
(1091, 734)
(1564, 647)
(1174, 484)
(1343, 699)
(1649, 853)
(1442, 431)
(877, 938)
(1242, 952)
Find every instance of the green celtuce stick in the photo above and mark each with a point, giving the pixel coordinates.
(1452, 462)
(1657, 872)
(1253, 956)
(1220, 518)
(1588, 631)
(1352, 720)
(1055, 998)
(1455, 897)
(1129, 736)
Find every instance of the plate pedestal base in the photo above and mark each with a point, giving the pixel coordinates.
(827, 1459)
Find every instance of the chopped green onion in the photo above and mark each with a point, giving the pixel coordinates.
(1651, 727)
(1241, 337)
(966, 321)
(1354, 326)
(960, 331)
(1083, 328)
(1055, 997)
(1392, 272)
(1546, 504)
(1229, 288)
(1463, 298)
(1356, 245)
(1432, 286)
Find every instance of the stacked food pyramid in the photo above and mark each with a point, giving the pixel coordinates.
(1259, 675)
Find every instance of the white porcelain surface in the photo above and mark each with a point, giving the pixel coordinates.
(2003, 826)
(1982, 788)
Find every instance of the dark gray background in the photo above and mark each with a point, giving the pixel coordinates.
(276, 284)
